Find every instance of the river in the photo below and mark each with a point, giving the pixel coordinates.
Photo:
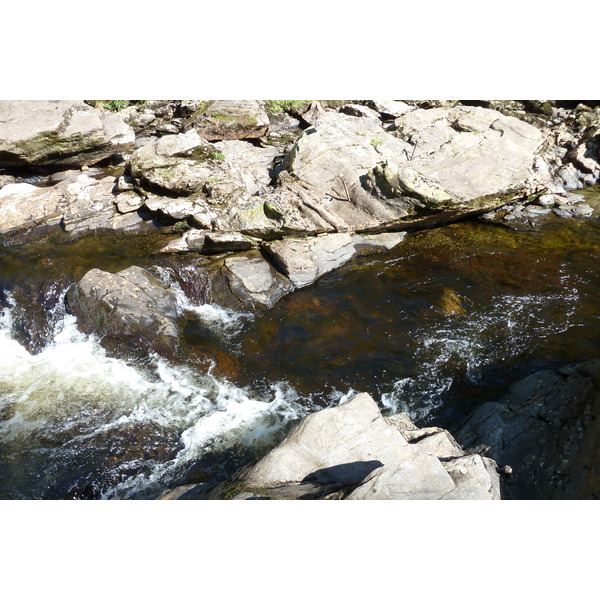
(443, 322)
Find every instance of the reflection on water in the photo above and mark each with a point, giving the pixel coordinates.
(440, 324)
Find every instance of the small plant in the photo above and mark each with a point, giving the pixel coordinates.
(375, 142)
(217, 155)
(279, 106)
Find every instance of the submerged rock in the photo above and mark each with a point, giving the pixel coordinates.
(131, 305)
(61, 132)
(546, 429)
(352, 452)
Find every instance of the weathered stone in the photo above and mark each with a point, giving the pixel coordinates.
(60, 132)
(252, 164)
(185, 164)
(208, 242)
(391, 108)
(471, 152)
(305, 260)
(475, 478)
(231, 120)
(358, 110)
(131, 305)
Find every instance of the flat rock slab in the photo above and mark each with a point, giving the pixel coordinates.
(79, 204)
(60, 132)
(131, 305)
(471, 152)
(305, 260)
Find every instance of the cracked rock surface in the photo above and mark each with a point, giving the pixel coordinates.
(352, 452)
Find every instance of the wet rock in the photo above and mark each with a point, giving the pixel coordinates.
(63, 132)
(247, 281)
(131, 305)
(452, 303)
(305, 260)
(352, 452)
(231, 120)
(546, 429)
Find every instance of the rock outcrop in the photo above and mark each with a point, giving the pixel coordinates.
(131, 306)
(352, 452)
(546, 428)
(79, 204)
(59, 132)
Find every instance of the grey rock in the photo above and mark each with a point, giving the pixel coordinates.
(185, 164)
(391, 108)
(352, 452)
(358, 110)
(252, 164)
(59, 132)
(131, 305)
(305, 260)
(474, 477)
(246, 281)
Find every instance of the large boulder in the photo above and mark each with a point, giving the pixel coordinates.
(131, 306)
(547, 429)
(184, 164)
(435, 166)
(352, 452)
(59, 132)
(231, 120)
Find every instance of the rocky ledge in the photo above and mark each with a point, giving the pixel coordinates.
(352, 452)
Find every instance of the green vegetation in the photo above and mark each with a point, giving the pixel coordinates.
(217, 155)
(375, 142)
(279, 106)
(113, 105)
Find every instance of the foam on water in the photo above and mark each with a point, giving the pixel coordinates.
(73, 392)
(465, 344)
(220, 320)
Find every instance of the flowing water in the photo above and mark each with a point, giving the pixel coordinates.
(444, 322)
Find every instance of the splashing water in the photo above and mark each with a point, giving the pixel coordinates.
(72, 397)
